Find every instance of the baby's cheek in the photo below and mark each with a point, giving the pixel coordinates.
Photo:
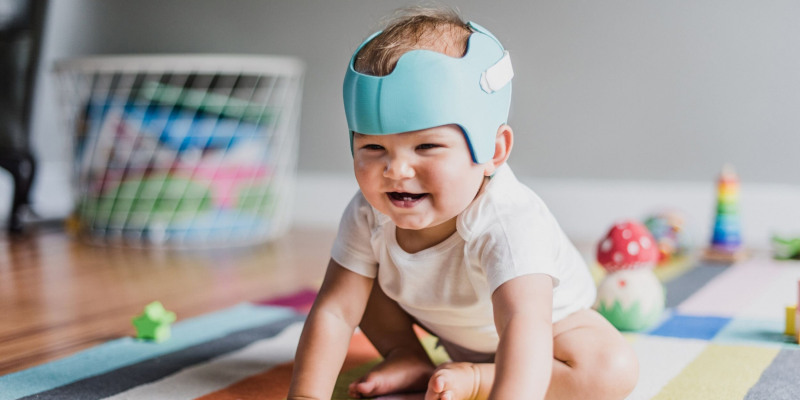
(359, 167)
(363, 174)
(459, 193)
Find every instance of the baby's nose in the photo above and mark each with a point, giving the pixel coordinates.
(398, 168)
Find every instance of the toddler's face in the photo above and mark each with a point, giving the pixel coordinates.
(419, 179)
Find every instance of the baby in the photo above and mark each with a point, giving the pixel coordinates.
(442, 235)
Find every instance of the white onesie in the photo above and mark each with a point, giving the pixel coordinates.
(506, 232)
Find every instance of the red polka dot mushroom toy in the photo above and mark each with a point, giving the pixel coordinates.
(630, 296)
(628, 245)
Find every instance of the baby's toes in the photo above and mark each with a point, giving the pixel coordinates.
(438, 385)
(364, 387)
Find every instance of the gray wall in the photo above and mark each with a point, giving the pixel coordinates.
(603, 89)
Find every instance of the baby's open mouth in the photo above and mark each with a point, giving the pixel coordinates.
(403, 196)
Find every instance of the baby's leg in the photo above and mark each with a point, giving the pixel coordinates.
(592, 361)
(406, 366)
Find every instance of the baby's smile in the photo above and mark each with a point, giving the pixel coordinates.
(405, 199)
(419, 179)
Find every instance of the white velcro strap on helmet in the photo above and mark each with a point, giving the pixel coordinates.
(498, 75)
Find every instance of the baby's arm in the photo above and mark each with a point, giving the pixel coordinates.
(523, 315)
(327, 332)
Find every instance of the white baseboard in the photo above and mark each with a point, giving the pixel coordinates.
(584, 208)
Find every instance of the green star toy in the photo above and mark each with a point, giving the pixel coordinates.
(154, 323)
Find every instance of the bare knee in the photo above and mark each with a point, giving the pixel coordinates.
(596, 361)
(616, 372)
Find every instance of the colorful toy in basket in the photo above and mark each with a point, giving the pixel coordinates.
(186, 119)
(726, 242)
(206, 102)
(129, 204)
(226, 172)
(179, 166)
(186, 129)
(182, 150)
(631, 297)
(668, 230)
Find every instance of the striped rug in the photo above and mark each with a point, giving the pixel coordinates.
(721, 338)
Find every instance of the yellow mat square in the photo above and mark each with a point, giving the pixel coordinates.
(721, 372)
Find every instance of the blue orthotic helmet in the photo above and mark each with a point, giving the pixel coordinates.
(428, 89)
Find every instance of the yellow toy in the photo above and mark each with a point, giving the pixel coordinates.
(791, 321)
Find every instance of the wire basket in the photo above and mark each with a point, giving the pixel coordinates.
(180, 150)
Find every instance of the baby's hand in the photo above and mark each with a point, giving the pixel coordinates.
(455, 381)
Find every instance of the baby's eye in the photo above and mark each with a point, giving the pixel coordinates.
(372, 147)
(427, 146)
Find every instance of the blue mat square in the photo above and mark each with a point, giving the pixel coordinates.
(690, 327)
(757, 331)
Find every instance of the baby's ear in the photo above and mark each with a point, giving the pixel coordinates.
(502, 149)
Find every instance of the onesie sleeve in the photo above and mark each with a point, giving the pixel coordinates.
(517, 244)
(352, 248)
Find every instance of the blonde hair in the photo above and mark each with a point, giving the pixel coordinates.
(438, 29)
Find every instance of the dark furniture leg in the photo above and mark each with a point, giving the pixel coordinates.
(21, 26)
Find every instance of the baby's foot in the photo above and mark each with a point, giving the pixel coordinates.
(399, 372)
(455, 381)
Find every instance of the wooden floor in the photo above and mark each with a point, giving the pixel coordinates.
(58, 295)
